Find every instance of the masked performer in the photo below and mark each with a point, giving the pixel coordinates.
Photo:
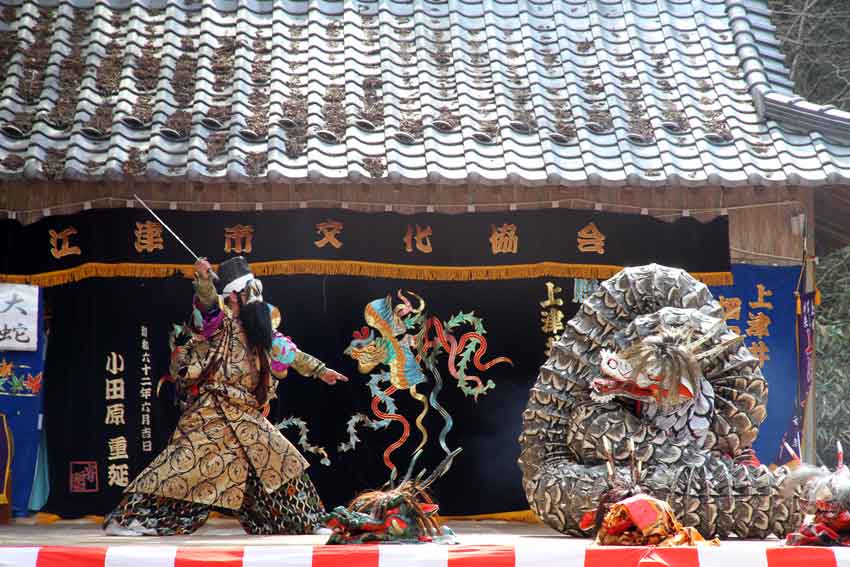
(225, 455)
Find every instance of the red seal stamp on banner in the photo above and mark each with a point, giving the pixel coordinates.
(83, 477)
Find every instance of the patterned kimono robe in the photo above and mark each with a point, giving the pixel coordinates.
(223, 434)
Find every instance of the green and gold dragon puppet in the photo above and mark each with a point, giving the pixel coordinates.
(409, 343)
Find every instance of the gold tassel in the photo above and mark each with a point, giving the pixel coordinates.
(348, 268)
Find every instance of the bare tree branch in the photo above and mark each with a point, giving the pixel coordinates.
(815, 39)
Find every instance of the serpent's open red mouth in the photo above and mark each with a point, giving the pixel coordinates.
(606, 386)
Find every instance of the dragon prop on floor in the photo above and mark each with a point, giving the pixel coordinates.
(648, 357)
(406, 340)
(403, 514)
(827, 497)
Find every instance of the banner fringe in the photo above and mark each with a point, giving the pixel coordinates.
(347, 268)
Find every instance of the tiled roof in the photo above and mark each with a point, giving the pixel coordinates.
(570, 92)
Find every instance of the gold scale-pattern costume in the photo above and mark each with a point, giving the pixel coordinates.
(223, 446)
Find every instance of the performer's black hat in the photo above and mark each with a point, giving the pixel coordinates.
(234, 274)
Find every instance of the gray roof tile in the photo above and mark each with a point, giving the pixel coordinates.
(643, 92)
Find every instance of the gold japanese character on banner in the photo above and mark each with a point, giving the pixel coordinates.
(147, 446)
(114, 415)
(550, 342)
(504, 239)
(117, 448)
(552, 321)
(329, 230)
(591, 239)
(117, 475)
(731, 307)
(60, 243)
(758, 325)
(239, 239)
(760, 303)
(551, 290)
(114, 389)
(148, 236)
(114, 363)
(551, 318)
(422, 239)
(761, 351)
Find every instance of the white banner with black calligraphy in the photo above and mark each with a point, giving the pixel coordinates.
(18, 317)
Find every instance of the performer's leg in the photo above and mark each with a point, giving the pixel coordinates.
(295, 508)
(145, 514)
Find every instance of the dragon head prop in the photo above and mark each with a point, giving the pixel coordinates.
(662, 368)
(827, 495)
(398, 514)
(371, 350)
(367, 350)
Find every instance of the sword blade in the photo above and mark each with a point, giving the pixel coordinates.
(168, 228)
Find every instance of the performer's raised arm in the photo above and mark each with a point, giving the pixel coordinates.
(206, 297)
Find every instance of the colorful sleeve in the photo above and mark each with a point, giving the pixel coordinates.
(206, 322)
(281, 355)
(185, 365)
(308, 365)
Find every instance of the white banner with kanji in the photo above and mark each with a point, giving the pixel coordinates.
(18, 317)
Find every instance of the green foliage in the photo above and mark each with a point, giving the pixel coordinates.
(832, 388)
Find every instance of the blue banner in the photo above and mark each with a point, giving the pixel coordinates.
(21, 399)
(762, 307)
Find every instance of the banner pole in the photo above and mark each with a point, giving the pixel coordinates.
(809, 441)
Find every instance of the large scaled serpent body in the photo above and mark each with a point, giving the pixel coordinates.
(695, 457)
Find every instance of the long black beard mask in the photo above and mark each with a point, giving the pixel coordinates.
(256, 319)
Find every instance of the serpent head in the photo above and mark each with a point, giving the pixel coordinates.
(659, 369)
(368, 350)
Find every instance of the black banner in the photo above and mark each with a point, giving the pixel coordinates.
(477, 275)
(98, 317)
(485, 246)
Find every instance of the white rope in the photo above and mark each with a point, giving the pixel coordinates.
(763, 255)
(660, 212)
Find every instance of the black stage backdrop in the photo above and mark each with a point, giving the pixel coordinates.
(109, 337)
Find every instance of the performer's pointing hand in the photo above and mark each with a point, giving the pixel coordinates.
(332, 377)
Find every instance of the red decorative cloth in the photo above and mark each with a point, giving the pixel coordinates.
(812, 533)
(644, 520)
